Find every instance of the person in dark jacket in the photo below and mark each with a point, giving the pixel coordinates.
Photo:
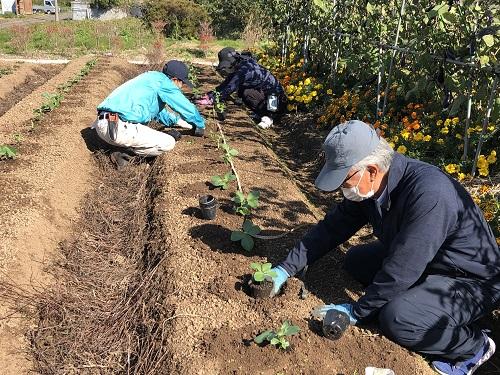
(435, 267)
(255, 85)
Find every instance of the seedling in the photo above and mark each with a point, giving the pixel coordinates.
(17, 137)
(217, 139)
(51, 102)
(245, 204)
(245, 236)
(223, 181)
(219, 105)
(278, 339)
(7, 152)
(262, 272)
(229, 153)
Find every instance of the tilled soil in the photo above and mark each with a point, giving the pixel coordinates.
(23, 81)
(42, 188)
(213, 318)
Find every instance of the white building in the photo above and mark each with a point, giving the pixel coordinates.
(8, 6)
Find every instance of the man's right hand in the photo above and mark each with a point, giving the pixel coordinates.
(278, 281)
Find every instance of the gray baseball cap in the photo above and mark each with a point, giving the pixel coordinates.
(345, 145)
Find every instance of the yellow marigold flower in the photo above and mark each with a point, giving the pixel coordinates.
(458, 136)
(290, 89)
(392, 144)
(484, 172)
(440, 141)
(314, 93)
(401, 149)
(414, 115)
(427, 138)
(461, 176)
(290, 107)
(307, 81)
(329, 91)
(492, 158)
(418, 137)
(291, 97)
(447, 122)
(439, 122)
(301, 83)
(445, 130)
(482, 162)
(318, 86)
(455, 120)
(395, 138)
(405, 133)
(451, 168)
(491, 128)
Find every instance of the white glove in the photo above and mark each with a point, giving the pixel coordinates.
(184, 124)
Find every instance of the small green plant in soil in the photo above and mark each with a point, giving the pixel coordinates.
(223, 181)
(5, 71)
(17, 137)
(7, 152)
(262, 272)
(280, 338)
(219, 105)
(245, 235)
(217, 139)
(51, 101)
(245, 204)
(229, 153)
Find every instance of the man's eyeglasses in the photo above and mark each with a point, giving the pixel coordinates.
(348, 178)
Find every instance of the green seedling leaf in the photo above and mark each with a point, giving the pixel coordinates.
(237, 235)
(275, 341)
(239, 197)
(217, 180)
(266, 267)
(247, 242)
(250, 228)
(244, 211)
(264, 336)
(255, 266)
(253, 199)
(7, 152)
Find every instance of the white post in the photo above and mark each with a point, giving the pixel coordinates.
(57, 10)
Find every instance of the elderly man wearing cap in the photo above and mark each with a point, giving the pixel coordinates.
(434, 269)
(255, 85)
(123, 114)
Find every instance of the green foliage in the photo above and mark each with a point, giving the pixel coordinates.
(7, 152)
(70, 38)
(50, 102)
(181, 18)
(106, 4)
(229, 17)
(5, 71)
(229, 153)
(245, 204)
(219, 105)
(279, 338)
(245, 236)
(223, 181)
(262, 272)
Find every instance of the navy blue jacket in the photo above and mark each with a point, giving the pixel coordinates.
(428, 223)
(249, 75)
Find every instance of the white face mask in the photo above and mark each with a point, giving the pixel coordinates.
(353, 193)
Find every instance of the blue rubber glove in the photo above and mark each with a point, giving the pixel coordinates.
(279, 280)
(346, 308)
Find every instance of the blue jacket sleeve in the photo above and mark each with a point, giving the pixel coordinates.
(167, 118)
(338, 226)
(231, 83)
(429, 217)
(179, 103)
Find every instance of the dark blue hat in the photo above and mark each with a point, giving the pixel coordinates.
(177, 69)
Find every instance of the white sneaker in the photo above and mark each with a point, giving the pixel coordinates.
(265, 122)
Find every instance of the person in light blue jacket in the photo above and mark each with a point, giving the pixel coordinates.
(123, 116)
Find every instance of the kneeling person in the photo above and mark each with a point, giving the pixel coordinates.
(123, 115)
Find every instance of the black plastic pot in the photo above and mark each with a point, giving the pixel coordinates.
(208, 206)
(260, 290)
(221, 116)
(335, 323)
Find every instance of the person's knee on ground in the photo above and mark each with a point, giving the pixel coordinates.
(362, 262)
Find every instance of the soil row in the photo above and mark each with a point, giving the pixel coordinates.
(43, 187)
